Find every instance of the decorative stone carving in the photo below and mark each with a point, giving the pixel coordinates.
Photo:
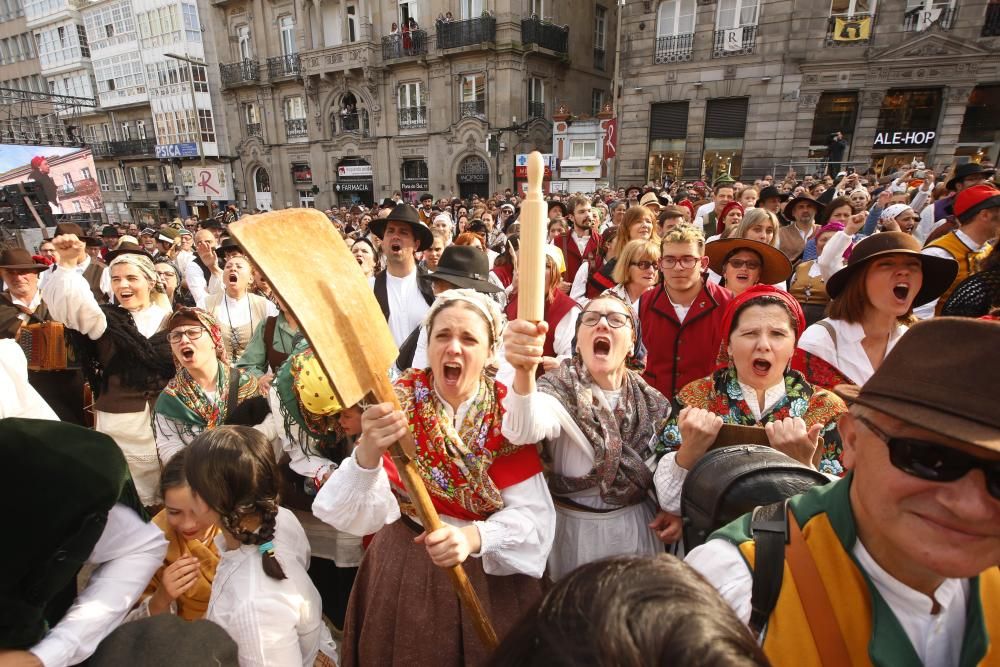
(873, 97)
(958, 94)
(808, 100)
(811, 78)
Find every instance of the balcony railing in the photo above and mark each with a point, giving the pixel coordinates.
(474, 109)
(544, 34)
(991, 26)
(296, 127)
(673, 48)
(246, 71)
(281, 66)
(402, 45)
(255, 130)
(152, 187)
(356, 121)
(67, 189)
(135, 186)
(132, 147)
(851, 32)
(912, 21)
(412, 117)
(736, 42)
(599, 58)
(536, 109)
(453, 34)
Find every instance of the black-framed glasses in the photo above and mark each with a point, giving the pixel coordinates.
(644, 265)
(751, 264)
(933, 461)
(192, 333)
(615, 320)
(686, 262)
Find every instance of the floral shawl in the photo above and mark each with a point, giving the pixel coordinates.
(722, 394)
(463, 468)
(185, 401)
(620, 438)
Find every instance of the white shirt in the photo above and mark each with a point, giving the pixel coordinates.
(127, 554)
(32, 305)
(17, 397)
(198, 286)
(832, 259)
(105, 282)
(581, 241)
(936, 638)
(562, 345)
(619, 290)
(406, 304)
(926, 311)
(273, 622)
(848, 356)
(182, 259)
(237, 312)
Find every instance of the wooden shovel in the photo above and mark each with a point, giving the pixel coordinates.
(311, 269)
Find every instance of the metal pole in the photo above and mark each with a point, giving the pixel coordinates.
(197, 119)
(616, 86)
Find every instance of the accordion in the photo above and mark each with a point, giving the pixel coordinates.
(45, 346)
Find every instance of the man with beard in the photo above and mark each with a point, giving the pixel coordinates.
(40, 174)
(802, 211)
(203, 266)
(582, 243)
(403, 298)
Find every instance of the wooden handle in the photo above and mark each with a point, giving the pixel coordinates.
(531, 256)
(38, 220)
(403, 453)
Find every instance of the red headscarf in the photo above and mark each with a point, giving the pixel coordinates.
(757, 290)
(720, 223)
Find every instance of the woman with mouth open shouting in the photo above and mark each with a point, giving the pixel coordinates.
(124, 359)
(596, 419)
(237, 311)
(743, 263)
(489, 492)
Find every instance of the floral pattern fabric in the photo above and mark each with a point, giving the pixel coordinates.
(722, 394)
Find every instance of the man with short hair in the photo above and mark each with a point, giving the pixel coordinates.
(681, 318)
(901, 554)
(581, 243)
(708, 214)
(202, 267)
(802, 211)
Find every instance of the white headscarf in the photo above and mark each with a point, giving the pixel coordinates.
(482, 303)
(157, 291)
(892, 212)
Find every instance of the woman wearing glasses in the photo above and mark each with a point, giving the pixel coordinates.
(743, 263)
(596, 419)
(638, 224)
(207, 391)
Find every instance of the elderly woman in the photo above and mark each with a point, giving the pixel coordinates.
(125, 361)
(237, 311)
(489, 492)
(170, 276)
(742, 263)
(753, 387)
(638, 225)
(595, 418)
(206, 391)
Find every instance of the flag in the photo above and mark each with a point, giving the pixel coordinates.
(611, 139)
(926, 18)
(733, 40)
(856, 29)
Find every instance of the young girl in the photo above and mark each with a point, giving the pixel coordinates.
(261, 594)
(183, 583)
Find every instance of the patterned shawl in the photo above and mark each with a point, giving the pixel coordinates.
(183, 400)
(620, 438)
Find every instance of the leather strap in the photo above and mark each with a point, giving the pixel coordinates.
(769, 526)
(234, 390)
(815, 601)
(830, 330)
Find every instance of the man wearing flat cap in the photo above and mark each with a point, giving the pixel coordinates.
(896, 563)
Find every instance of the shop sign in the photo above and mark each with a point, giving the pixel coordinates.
(206, 182)
(301, 173)
(557, 186)
(176, 150)
(473, 178)
(586, 171)
(415, 184)
(361, 186)
(357, 170)
(521, 165)
(904, 138)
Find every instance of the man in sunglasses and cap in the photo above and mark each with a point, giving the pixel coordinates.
(896, 563)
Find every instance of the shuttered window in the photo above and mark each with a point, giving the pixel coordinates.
(668, 120)
(726, 118)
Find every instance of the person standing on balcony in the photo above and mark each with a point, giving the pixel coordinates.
(836, 148)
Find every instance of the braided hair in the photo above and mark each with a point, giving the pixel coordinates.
(232, 469)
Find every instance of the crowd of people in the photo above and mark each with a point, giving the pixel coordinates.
(192, 486)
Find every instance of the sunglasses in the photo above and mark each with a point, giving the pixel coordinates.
(935, 462)
(644, 265)
(751, 264)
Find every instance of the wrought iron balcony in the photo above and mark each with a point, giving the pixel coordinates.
(296, 127)
(255, 130)
(403, 45)
(536, 109)
(152, 187)
(453, 34)
(991, 26)
(599, 59)
(911, 21)
(544, 34)
(237, 74)
(673, 48)
(282, 66)
(412, 117)
(135, 186)
(851, 30)
(474, 109)
(736, 42)
(356, 121)
(130, 148)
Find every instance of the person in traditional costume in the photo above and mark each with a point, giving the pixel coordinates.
(237, 311)
(490, 493)
(742, 263)
(639, 224)
(207, 391)
(596, 419)
(753, 386)
(807, 284)
(903, 551)
(124, 358)
(88, 512)
(261, 594)
(979, 294)
(636, 272)
(275, 339)
(177, 294)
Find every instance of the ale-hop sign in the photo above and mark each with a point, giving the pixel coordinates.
(904, 138)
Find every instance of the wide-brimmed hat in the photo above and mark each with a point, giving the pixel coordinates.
(70, 228)
(465, 267)
(228, 244)
(560, 205)
(938, 272)
(19, 259)
(650, 198)
(127, 248)
(965, 170)
(409, 215)
(110, 231)
(771, 192)
(790, 206)
(168, 235)
(936, 378)
(775, 267)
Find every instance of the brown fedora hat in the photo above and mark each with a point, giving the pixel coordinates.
(409, 215)
(938, 377)
(938, 272)
(70, 228)
(19, 259)
(775, 267)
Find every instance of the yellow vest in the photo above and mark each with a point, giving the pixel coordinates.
(968, 260)
(828, 529)
(808, 290)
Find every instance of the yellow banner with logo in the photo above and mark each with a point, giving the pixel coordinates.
(852, 29)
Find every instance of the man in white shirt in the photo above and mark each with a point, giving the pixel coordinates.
(95, 273)
(402, 297)
(203, 268)
(907, 542)
(708, 214)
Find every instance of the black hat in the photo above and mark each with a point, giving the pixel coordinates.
(167, 639)
(93, 242)
(109, 231)
(424, 197)
(408, 214)
(70, 228)
(562, 207)
(968, 169)
(790, 206)
(771, 192)
(211, 223)
(387, 203)
(464, 267)
(127, 248)
(228, 244)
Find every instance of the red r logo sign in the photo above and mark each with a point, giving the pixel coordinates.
(205, 186)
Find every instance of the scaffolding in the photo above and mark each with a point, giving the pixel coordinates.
(42, 119)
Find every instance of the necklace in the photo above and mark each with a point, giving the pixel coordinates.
(236, 342)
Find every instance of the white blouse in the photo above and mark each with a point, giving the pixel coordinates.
(847, 355)
(272, 621)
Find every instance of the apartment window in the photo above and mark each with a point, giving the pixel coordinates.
(207, 125)
(597, 97)
(473, 102)
(471, 9)
(410, 95)
(536, 8)
(849, 8)
(600, 34)
(166, 26)
(286, 26)
(192, 27)
(121, 74)
(294, 108)
(85, 173)
(118, 179)
(140, 129)
(835, 112)
(126, 132)
(107, 132)
(243, 37)
(133, 178)
(68, 182)
(250, 114)
(102, 178)
(410, 102)
(922, 14)
(583, 150)
(166, 176)
(150, 174)
(737, 13)
(536, 98)
(352, 23)
(408, 9)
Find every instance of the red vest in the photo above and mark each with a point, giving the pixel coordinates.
(505, 272)
(571, 253)
(554, 314)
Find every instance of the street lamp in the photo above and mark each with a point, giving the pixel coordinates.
(197, 119)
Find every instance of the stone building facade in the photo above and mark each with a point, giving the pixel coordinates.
(328, 105)
(757, 86)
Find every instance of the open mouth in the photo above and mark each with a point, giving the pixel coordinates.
(233, 278)
(901, 291)
(761, 367)
(743, 277)
(127, 294)
(452, 373)
(395, 246)
(187, 353)
(359, 261)
(602, 346)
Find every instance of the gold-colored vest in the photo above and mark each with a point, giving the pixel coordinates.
(968, 260)
(808, 290)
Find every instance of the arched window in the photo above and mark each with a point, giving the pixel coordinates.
(348, 116)
(261, 181)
